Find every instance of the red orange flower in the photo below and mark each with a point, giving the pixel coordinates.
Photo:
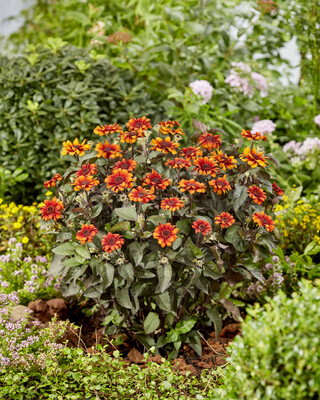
(264, 220)
(129, 164)
(87, 233)
(252, 136)
(74, 148)
(108, 150)
(155, 180)
(166, 234)
(191, 152)
(171, 204)
(52, 209)
(220, 185)
(224, 220)
(277, 189)
(202, 226)
(53, 181)
(206, 166)
(130, 137)
(191, 186)
(178, 163)
(253, 158)
(139, 124)
(107, 129)
(111, 242)
(164, 146)
(257, 194)
(209, 141)
(165, 130)
(85, 182)
(141, 194)
(119, 180)
(169, 124)
(87, 169)
(225, 162)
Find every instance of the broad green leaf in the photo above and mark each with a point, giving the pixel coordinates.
(156, 220)
(96, 210)
(122, 296)
(83, 251)
(71, 262)
(136, 251)
(232, 236)
(239, 196)
(121, 226)
(172, 336)
(126, 213)
(193, 339)
(163, 301)
(151, 323)
(164, 277)
(56, 265)
(184, 226)
(65, 249)
(232, 309)
(185, 326)
(192, 251)
(106, 271)
(126, 271)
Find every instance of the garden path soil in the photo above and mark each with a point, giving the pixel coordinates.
(91, 332)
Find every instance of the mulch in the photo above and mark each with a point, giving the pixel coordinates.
(91, 332)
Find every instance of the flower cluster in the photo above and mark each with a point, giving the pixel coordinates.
(23, 223)
(245, 81)
(203, 162)
(298, 223)
(302, 149)
(26, 276)
(264, 126)
(141, 213)
(23, 343)
(202, 89)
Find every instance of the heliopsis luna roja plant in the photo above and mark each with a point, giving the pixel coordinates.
(155, 230)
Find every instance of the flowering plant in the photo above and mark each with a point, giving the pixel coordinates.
(23, 344)
(23, 223)
(153, 229)
(26, 276)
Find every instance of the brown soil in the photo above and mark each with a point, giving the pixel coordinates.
(90, 332)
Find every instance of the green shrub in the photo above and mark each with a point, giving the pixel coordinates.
(278, 354)
(156, 231)
(55, 93)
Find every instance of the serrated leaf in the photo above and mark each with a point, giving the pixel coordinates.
(156, 220)
(126, 271)
(56, 265)
(83, 251)
(136, 251)
(71, 262)
(193, 340)
(151, 323)
(164, 277)
(126, 213)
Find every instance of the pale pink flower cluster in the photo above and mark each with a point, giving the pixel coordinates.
(264, 126)
(245, 81)
(203, 89)
(317, 119)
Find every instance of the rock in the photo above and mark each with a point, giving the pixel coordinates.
(46, 310)
(20, 312)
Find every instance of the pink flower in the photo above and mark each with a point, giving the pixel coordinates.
(264, 126)
(202, 89)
